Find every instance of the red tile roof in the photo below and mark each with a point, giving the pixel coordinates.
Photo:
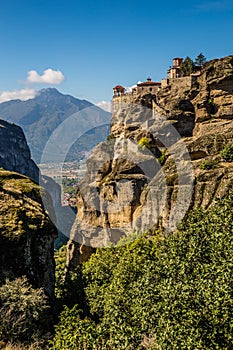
(149, 83)
(118, 87)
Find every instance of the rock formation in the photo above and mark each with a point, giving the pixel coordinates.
(14, 151)
(15, 156)
(125, 188)
(27, 233)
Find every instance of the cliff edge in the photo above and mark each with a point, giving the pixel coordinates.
(161, 147)
(26, 232)
(14, 152)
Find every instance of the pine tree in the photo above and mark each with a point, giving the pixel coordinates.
(187, 67)
(200, 60)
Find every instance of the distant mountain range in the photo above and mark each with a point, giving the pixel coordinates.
(41, 116)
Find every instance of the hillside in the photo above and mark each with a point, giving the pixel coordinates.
(40, 116)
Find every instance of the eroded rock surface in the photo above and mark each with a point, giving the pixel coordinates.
(125, 188)
(14, 152)
(27, 233)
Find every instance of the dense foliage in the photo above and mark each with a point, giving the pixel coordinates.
(208, 164)
(227, 153)
(200, 60)
(23, 311)
(187, 66)
(159, 293)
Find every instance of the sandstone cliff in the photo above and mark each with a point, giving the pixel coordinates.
(126, 190)
(26, 232)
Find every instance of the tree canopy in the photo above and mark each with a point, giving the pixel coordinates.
(159, 293)
(187, 66)
(200, 60)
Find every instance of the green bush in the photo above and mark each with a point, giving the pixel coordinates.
(208, 164)
(23, 311)
(69, 286)
(73, 332)
(144, 143)
(110, 137)
(227, 153)
(175, 291)
(162, 159)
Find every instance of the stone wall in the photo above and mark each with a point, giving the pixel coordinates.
(179, 83)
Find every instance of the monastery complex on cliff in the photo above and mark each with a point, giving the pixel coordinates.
(174, 80)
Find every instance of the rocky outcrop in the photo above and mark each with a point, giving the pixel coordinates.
(27, 233)
(14, 151)
(125, 188)
(15, 156)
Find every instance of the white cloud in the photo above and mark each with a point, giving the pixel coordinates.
(49, 76)
(130, 88)
(23, 95)
(105, 105)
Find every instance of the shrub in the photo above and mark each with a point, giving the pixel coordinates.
(69, 286)
(227, 153)
(166, 293)
(144, 143)
(208, 164)
(110, 137)
(162, 159)
(23, 311)
(73, 332)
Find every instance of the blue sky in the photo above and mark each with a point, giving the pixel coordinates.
(92, 45)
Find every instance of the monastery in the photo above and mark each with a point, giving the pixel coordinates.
(174, 80)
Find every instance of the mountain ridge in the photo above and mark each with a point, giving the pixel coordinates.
(40, 116)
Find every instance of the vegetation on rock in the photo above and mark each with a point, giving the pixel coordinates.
(175, 291)
(23, 311)
(144, 143)
(227, 153)
(208, 164)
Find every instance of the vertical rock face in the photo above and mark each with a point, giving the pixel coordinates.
(26, 232)
(125, 188)
(14, 151)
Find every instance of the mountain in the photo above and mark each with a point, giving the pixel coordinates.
(41, 116)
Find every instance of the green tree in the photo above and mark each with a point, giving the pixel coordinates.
(176, 291)
(23, 311)
(187, 67)
(200, 60)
